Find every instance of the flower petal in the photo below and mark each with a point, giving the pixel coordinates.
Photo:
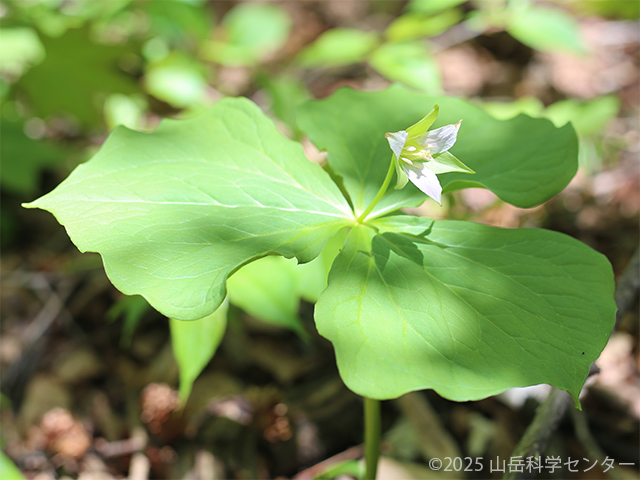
(423, 178)
(441, 139)
(397, 141)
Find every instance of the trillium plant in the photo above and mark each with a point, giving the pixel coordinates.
(185, 215)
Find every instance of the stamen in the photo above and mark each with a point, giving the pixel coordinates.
(411, 148)
(406, 160)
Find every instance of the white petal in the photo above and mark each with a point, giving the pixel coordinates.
(397, 141)
(425, 180)
(441, 139)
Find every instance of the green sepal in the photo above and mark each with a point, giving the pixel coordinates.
(401, 176)
(446, 162)
(423, 125)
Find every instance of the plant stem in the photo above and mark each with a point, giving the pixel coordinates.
(371, 437)
(381, 192)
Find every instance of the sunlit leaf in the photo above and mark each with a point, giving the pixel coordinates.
(508, 109)
(251, 31)
(420, 25)
(409, 63)
(176, 80)
(124, 110)
(338, 46)
(8, 469)
(175, 212)
(547, 29)
(21, 49)
(432, 6)
(588, 118)
(465, 309)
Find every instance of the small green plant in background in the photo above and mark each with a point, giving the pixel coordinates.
(410, 303)
(92, 66)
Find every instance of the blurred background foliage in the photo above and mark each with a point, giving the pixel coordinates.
(77, 68)
(73, 70)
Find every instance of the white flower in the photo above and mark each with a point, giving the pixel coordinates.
(420, 154)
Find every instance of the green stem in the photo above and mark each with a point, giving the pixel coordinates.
(371, 437)
(381, 192)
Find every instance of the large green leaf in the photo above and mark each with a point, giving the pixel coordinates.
(194, 344)
(522, 160)
(465, 309)
(175, 212)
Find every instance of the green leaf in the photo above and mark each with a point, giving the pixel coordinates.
(125, 110)
(286, 94)
(432, 6)
(589, 118)
(75, 76)
(547, 29)
(614, 9)
(409, 63)
(21, 49)
(175, 212)
(260, 27)
(252, 31)
(524, 160)
(176, 21)
(268, 289)
(420, 25)
(350, 468)
(338, 46)
(22, 158)
(132, 309)
(465, 309)
(271, 288)
(8, 469)
(194, 344)
(508, 109)
(176, 80)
